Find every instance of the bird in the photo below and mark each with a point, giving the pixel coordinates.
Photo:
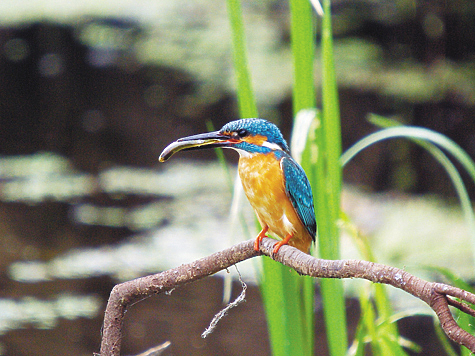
(275, 184)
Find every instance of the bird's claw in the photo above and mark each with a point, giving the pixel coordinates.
(257, 241)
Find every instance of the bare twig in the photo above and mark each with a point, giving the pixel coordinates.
(436, 295)
(157, 350)
(461, 306)
(224, 311)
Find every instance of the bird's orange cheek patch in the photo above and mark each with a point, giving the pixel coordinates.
(256, 140)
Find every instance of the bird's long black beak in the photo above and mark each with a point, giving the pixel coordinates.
(195, 142)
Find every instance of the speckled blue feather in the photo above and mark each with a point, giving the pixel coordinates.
(258, 127)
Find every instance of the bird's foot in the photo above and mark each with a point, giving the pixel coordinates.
(281, 243)
(259, 238)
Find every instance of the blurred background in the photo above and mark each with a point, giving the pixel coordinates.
(90, 94)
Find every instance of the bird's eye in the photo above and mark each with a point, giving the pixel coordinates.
(242, 133)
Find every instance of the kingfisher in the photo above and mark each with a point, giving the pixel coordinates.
(274, 183)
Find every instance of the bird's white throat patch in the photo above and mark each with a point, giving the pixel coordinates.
(243, 153)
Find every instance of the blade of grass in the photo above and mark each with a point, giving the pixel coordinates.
(369, 315)
(297, 290)
(357, 348)
(413, 133)
(328, 176)
(287, 314)
(283, 292)
(428, 139)
(246, 100)
(303, 49)
(303, 97)
(387, 332)
(449, 167)
(384, 340)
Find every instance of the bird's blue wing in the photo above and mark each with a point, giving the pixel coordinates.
(299, 191)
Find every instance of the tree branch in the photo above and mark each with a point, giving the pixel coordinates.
(437, 295)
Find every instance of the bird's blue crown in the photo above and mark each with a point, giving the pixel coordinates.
(254, 127)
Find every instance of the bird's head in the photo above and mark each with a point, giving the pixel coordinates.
(247, 136)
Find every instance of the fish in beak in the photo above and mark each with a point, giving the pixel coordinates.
(196, 142)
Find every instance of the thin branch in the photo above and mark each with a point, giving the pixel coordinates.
(223, 312)
(436, 295)
(157, 350)
(461, 306)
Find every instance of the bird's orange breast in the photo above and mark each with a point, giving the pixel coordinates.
(264, 185)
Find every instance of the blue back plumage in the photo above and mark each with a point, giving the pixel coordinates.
(258, 127)
(299, 192)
